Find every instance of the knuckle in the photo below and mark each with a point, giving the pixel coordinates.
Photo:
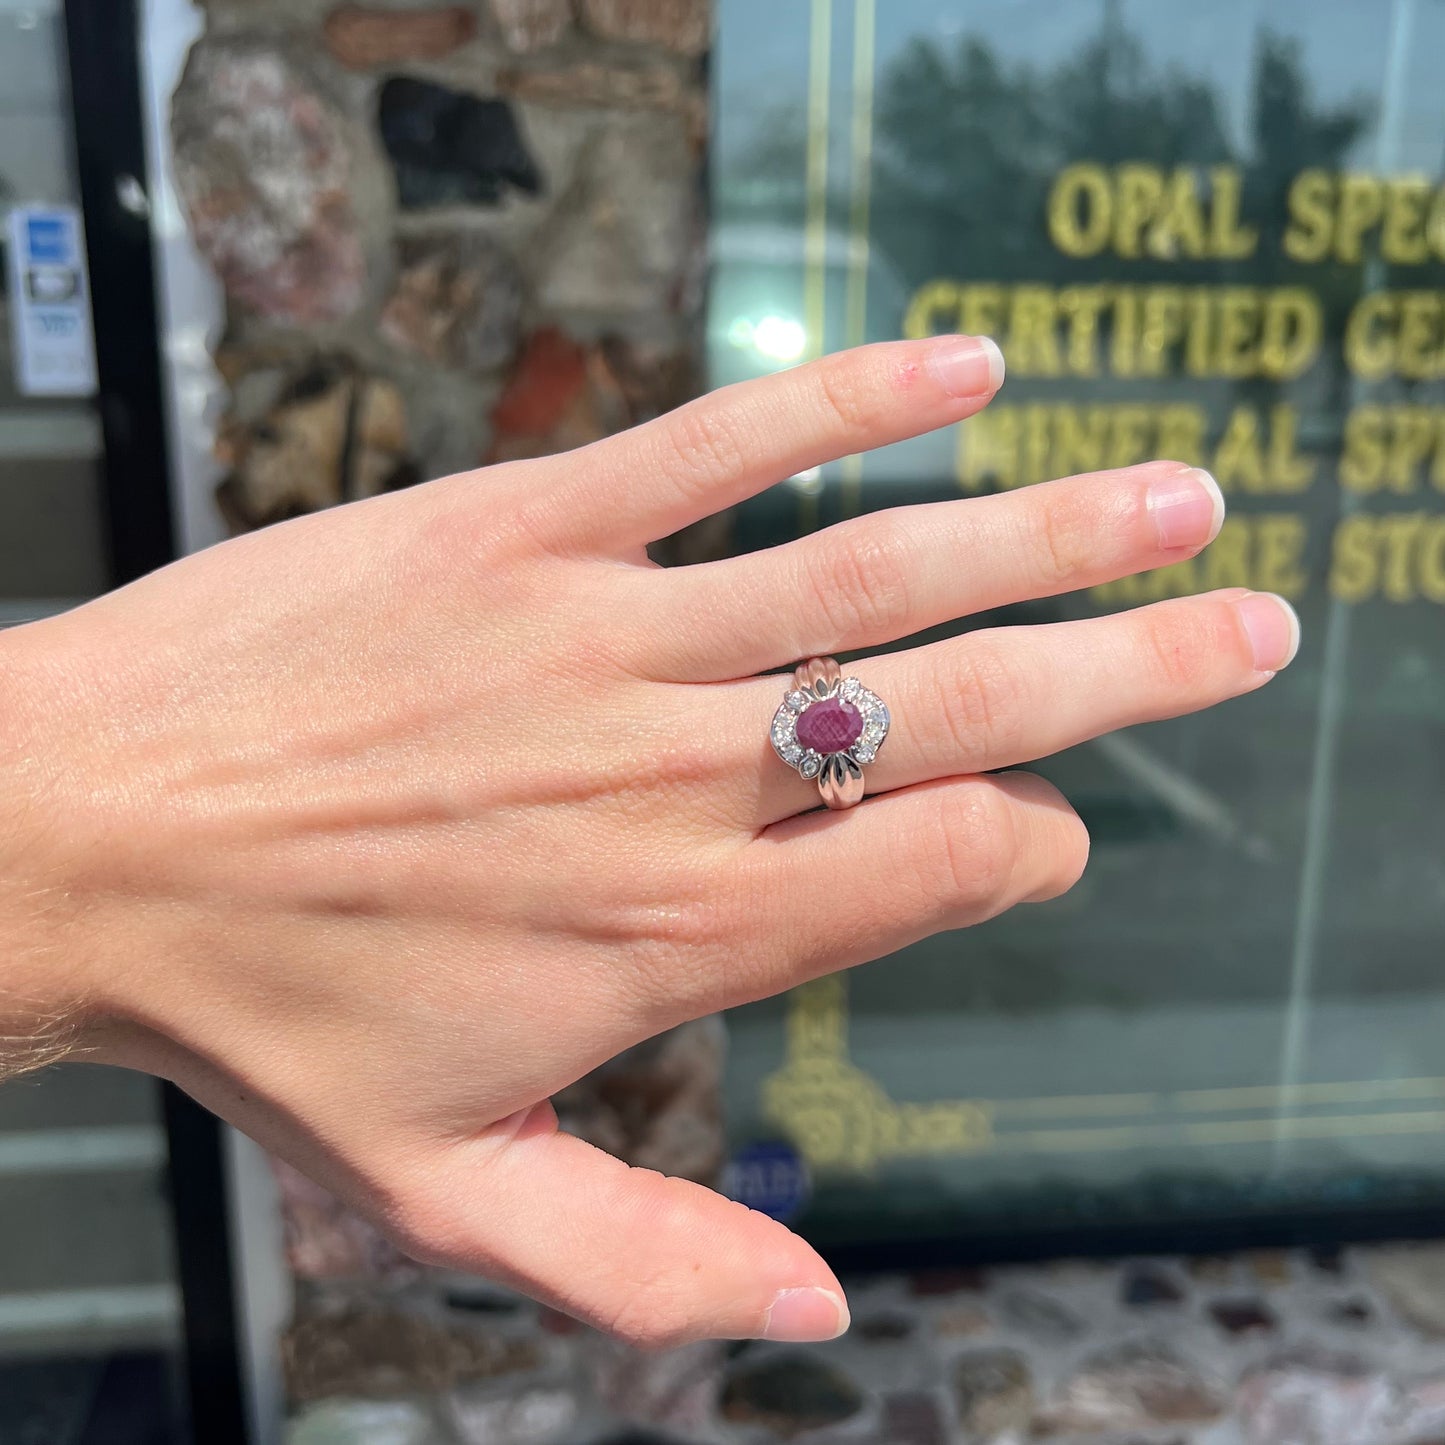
(1063, 544)
(703, 446)
(860, 584)
(1183, 644)
(843, 389)
(982, 705)
(977, 843)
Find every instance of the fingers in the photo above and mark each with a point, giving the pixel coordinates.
(656, 1261)
(729, 445)
(888, 575)
(945, 854)
(1004, 696)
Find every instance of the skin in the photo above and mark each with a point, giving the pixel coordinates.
(374, 830)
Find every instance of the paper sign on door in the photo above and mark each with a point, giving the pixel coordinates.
(50, 302)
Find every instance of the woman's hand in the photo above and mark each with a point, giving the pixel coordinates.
(374, 830)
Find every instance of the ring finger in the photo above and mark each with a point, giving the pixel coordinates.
(1000, 697)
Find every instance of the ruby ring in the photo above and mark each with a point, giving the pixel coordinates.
(829, 727)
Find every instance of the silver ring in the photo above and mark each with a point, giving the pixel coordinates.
(828, 728)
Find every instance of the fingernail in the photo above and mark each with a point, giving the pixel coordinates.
(1187, 508)
(800, 1315)
(966, 365)
(1273, 629)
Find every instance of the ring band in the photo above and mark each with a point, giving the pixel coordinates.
(828, 728)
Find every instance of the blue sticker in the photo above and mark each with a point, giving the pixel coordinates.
(769, 1176)
(48, 239)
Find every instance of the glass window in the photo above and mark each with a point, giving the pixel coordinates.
(1209, 232)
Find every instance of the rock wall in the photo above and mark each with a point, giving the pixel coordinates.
(447, 235)
(1339, 1347)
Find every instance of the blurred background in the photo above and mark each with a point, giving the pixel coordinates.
(1163, 1161)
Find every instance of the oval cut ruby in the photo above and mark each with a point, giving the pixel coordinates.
(830, 726)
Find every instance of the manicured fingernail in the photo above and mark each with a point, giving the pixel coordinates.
(1273, 629)
(966, 365)
(799, 1315)
(1187, 508)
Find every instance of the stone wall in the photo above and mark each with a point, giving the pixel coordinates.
(447, 235)
(1339, 1347)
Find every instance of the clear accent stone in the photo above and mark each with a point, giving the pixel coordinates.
(796, 700)
(811, 765)
(865, 752)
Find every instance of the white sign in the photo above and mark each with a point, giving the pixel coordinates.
(50, 302)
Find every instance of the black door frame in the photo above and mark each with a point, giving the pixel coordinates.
(103, 44)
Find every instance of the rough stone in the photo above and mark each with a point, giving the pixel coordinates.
(325, 1240)
(1271, 1266)
(532, 24)
(562, 395)
(590, 83)
(447, 147)
(681, 25)
(1147, 1284)
(528, 1417)
(1315, 1398)
(331, 435)
(1038, 1315)
(362, 38)
(1243, 1316)
(914, 1417)
(674, 1389)
(457, 302)
(263, 166)
(658, 1105)
(352, 1422)
(993, 1391)
(634, 223)
(1133, 1387)
(884, 1328)
(961, 1321)
(1412, 1277)
(789, 1393)
(931, 1283)
(372, 1350)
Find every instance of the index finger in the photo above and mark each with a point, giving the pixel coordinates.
(733, 443)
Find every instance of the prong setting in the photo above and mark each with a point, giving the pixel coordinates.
(853, 717)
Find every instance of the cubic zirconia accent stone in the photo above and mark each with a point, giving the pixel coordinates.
(811, 765)
(796, 701)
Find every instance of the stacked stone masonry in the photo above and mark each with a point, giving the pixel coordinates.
(1339, 1347)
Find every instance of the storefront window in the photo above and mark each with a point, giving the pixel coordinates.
(1215, 233)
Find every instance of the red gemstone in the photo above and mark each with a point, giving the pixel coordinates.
(830, 726)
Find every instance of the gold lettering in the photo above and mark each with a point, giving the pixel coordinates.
(1238, 458)
(1352, 563)
(1403, 241)
(1229, 240)
(1080, 210)
(1360, 208)
(1293, 327)
(1307, 237)
(1280, 544)
(1139, 189)
(1369, 348)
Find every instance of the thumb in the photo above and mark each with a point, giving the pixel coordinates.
(654, 1260)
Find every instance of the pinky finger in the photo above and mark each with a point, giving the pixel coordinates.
(942, 854)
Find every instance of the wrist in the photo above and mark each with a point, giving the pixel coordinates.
(48, 1007)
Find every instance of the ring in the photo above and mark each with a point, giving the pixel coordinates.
(828, 728)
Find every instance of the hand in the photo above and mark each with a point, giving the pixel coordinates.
(374, 830)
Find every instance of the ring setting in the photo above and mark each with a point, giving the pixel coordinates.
(828, 728)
